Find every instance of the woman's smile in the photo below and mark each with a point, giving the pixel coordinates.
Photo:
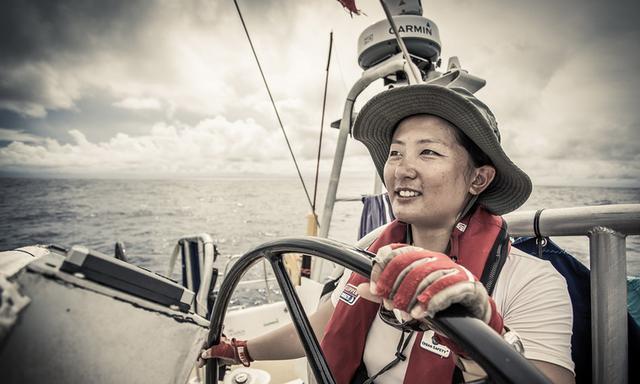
(407, 193)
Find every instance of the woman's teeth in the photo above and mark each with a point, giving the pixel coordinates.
(406, 193)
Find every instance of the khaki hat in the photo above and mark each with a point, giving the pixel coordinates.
(380, 116)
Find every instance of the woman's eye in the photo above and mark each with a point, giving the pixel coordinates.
(429, 152)
(393, 153)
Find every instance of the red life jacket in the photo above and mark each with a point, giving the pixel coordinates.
(477, 243)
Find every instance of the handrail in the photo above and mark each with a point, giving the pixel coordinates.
(577, 221)
(206, 245)
(607, 227)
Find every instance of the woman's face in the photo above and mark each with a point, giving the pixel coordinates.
(428, 173)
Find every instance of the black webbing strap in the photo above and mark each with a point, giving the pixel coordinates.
(402, 345)
(540, 240)
(497, 257)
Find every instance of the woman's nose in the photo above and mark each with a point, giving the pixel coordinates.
(405, 169)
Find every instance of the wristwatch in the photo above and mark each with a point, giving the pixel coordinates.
(513, 339)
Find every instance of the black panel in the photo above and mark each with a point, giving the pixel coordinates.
(125, 277)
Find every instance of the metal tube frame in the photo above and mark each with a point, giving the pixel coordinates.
(207, 247)
(609, 353)
(607, 227)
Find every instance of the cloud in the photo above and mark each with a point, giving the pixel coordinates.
(583, 112)
(139, 103)
(20, 136)
(581, 172)
(33, 88)
(55, 53)
(47, 47)
(561, 80)
(213, 146)
(192, 57)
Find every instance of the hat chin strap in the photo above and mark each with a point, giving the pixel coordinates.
(470, 203)
(472, 200)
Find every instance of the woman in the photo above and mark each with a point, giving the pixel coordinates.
(438, 152)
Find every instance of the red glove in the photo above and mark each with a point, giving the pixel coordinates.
(423, 283)
(229, 351)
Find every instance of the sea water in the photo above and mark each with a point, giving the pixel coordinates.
(149, 216)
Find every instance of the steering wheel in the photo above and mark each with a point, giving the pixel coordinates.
(501, 362)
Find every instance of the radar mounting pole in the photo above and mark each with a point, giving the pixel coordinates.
(415, 72)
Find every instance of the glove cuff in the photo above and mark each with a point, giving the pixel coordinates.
(241, 351)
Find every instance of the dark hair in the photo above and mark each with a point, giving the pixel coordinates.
(478, 157)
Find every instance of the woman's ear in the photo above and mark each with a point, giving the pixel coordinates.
(483, 177)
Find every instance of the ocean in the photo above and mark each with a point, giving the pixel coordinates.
(149, 216)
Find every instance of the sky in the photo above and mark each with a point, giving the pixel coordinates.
(169, 89)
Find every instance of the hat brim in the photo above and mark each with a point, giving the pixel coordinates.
(379, 117)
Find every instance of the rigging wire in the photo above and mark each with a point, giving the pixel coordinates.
(246, 31)
(324, 104)
(345, 86)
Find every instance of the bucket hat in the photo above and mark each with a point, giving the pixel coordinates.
(379, 117)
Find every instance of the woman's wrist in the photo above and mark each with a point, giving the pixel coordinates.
(242, 352)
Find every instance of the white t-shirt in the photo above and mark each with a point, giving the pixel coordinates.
(532, 298)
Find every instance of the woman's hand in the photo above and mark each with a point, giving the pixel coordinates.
(229, 351)
(421, 283)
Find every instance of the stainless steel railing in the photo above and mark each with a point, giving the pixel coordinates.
(265, 276)
(207, 249)
(607, 227)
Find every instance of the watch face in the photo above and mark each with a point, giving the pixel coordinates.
(513, 339)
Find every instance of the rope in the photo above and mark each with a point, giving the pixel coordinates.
(400, 356)
(324, 103)
(246, 31)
